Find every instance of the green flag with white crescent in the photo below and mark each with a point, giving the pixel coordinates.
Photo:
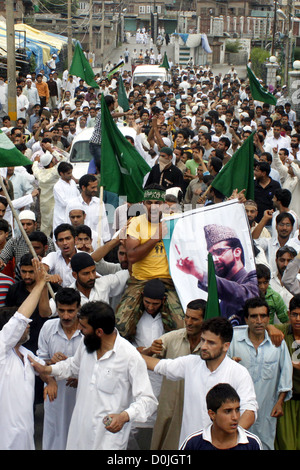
(9, 154)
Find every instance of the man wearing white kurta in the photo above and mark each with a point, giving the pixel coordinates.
(200, 374)
(91, 205)
(59, 339)
(64, 190)
(45, 172)
(17, 378)
(112, 381)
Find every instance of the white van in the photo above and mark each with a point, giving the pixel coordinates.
(143, 72)
(80, 155)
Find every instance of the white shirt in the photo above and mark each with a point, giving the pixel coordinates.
(92, 215)
(17, 380)
(58, 265)
(22, 102)
(57, 414)
(281, 142)
(270, 247)
(105, 288)
(32, 95)
(116, 382)
(148, 329)
(198, 380)
(21, 185)
(62, 191)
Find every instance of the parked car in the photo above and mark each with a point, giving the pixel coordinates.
(80, 155)
(142, 73)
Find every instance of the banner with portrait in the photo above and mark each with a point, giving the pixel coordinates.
(223, 230)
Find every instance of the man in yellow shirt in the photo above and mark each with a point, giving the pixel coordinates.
(148, 260)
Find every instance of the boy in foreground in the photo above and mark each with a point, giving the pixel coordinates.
(223, 405)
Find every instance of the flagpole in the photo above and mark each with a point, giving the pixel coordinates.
(100, 217)
(16, 217)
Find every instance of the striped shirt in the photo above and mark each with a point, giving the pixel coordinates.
(17, 247)
(5, 283)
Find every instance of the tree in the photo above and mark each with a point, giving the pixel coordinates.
(258, 58)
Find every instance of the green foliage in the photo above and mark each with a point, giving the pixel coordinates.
(233, 46)
(258, 57)
(297, 53)
(32, 63)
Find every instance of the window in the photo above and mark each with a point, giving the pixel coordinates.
(141, 9)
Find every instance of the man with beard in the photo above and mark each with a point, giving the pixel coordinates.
(251, 211)
(283, 234)
(16, 376)
(200, 374)
(91, 285)
(235, 285)
(284, 256)
(173, 344)
(58, 340)
(113, 384)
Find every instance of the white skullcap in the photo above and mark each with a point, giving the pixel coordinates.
(46, 158)
(27, 215)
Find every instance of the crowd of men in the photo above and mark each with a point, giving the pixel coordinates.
(112, 355)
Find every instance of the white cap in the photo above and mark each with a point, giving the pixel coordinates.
(247, 129)
(46, 158)
(27, 215)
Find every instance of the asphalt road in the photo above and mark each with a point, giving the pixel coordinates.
(114, 56)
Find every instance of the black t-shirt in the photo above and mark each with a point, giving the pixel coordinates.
(263, 197)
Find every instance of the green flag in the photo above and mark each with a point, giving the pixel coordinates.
(238, 173)
(122, 168)
(9, 154)
(115, 69)
(122, 98)
(213, 306)
(81, 67)
(165, 62)
(257, 91)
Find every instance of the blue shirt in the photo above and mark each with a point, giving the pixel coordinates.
(271, 370)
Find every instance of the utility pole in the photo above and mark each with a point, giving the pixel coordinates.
(11, 62)
(91, 27)
(102, 30)
(69, 28)
(274, 28)
(289, 34)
